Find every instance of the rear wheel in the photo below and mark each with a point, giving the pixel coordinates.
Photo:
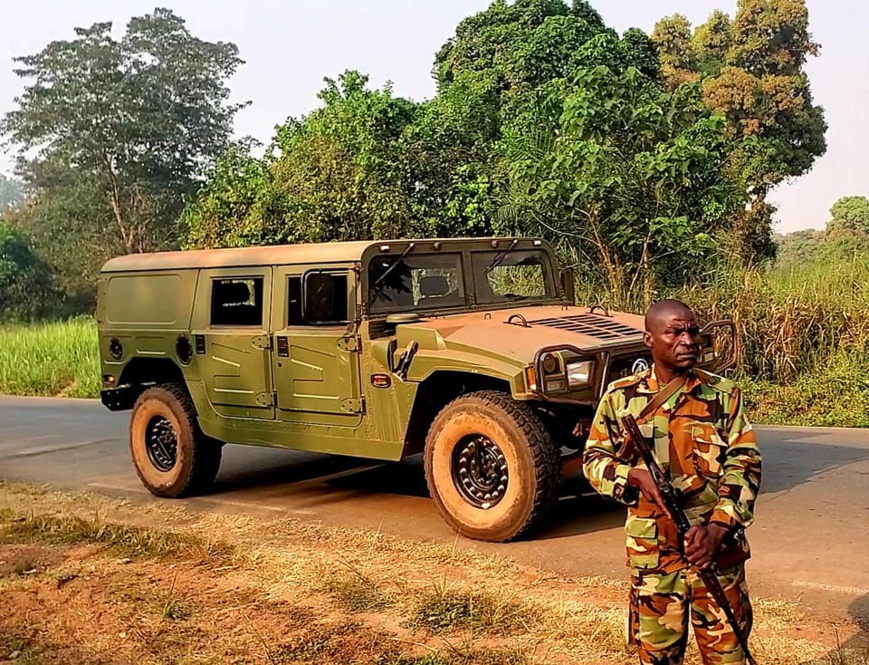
(491, 466)
(172, 456)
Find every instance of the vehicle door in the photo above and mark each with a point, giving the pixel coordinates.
(316, 356)
(232, 341)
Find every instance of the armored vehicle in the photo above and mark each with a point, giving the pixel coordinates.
(469, 351)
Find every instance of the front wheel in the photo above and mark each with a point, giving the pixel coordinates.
(491, 466)
(172, 456)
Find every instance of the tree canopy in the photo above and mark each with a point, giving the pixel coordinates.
(631, 174)
(645, 158)
(26, 285)
(113, 134)
(752, 72)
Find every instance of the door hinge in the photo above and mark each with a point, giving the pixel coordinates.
(353, 405)
(263, 342)
(266, 399)
(351, 344)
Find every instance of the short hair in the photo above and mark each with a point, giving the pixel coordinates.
(670, 306)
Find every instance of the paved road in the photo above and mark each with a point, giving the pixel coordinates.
(810, 540)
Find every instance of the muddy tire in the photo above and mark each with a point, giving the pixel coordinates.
(172, 456)
(491, 467)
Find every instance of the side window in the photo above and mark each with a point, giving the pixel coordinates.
(324, 302)
(237, 302)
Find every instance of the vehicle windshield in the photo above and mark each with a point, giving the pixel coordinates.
(513, 276)
(436, 281)
(429, 281)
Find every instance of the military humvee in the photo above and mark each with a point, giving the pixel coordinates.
(467, 350)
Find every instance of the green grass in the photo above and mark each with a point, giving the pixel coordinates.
(123, 540)
(50, 359)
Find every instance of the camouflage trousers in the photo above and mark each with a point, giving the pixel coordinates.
(660, 607)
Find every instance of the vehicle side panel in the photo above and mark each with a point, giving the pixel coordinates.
(146, 312)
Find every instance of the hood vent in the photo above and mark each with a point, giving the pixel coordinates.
(591, 325)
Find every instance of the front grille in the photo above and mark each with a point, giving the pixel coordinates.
(590, 324)
(624, 366)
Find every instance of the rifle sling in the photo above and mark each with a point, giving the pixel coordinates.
(662, 396)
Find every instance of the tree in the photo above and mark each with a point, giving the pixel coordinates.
(141, 117)
(752, 72)
(26, 285)
(11, 193)
(798, 248)
(510, 49)
(631, 174)
(333, 175)
(676, 50)
(849, 223)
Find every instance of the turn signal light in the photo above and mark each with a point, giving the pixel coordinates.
(531, 379)
(381, 380)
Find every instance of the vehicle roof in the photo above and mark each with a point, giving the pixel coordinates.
(308, 253)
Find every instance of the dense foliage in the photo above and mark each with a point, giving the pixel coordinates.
(546, 122)
(26, 284)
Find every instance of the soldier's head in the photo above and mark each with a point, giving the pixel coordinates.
(672, 335)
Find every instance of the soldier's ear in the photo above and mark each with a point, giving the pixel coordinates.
(647, 339)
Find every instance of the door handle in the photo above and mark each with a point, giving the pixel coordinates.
(283, 345)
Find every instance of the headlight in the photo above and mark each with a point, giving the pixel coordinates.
(579, 374)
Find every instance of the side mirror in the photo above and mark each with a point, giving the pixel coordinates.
(567, 278)
(719, 346)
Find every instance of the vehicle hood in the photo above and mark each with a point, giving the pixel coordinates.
(518, 334)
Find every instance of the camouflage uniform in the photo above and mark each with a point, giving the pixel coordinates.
(703, 440)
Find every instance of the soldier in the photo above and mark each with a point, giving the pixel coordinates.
(704, 442)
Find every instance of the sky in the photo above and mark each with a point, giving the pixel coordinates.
(290, 46)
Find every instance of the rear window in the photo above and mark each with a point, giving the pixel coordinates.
(237, 302)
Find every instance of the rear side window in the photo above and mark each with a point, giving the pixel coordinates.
(237, 302)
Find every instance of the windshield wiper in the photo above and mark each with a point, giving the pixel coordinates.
(498, 260)
(388, 271)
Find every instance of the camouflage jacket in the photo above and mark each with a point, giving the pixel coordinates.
(702, 438)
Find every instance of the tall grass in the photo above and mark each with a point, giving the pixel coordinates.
(803, 330)
(50, 359)
(795, 319)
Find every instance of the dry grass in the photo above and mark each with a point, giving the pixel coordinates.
(284, 591)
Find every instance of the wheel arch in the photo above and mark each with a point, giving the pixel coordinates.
(143, 371)
(437, 390)
(136, 377)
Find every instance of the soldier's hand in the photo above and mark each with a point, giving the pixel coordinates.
(642, 480)
(702, 544)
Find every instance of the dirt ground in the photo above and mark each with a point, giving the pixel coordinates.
(85, 580)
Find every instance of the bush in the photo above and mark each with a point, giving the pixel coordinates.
(27, 289)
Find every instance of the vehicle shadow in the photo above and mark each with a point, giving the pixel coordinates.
(855, 650)
(791, 458)
(295, 471)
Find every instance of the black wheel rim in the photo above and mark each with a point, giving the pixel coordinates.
(161, 442)
(479, 471)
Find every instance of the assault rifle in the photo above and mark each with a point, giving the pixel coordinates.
(709, 575)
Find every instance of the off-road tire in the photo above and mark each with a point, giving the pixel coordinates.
(531, 456)
(197, 458)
